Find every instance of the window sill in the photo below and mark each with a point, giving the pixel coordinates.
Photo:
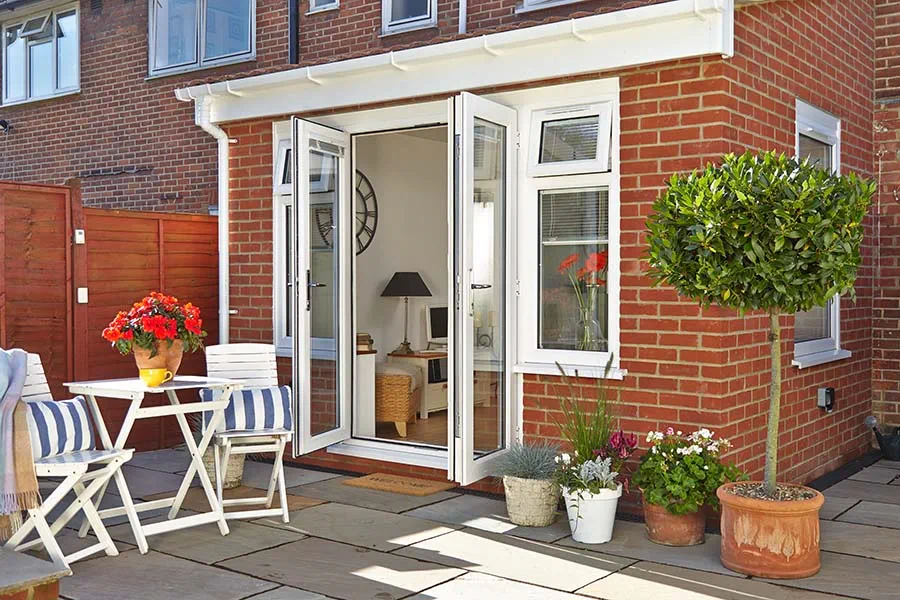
(407, 28)
(592, 371)
(42, 98)
(324, 9)
(820, 358)
(244, 58)
(522, 8)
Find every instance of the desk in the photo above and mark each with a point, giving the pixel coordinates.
(134, 391)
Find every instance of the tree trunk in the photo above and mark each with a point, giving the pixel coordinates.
(774, 403)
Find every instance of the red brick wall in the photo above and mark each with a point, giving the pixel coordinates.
(119, 121)
(886, 317)
(887, 49)
(687, 367)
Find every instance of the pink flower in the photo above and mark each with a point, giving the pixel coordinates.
(670, 431)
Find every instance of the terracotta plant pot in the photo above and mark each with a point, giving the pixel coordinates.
(674, 530)
(770, 538)
(167, 357)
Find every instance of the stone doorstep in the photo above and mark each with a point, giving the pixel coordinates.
(22, 572)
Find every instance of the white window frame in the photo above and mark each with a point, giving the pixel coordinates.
(531, 358)
(333, 5)
(51, 15)
(819, 125)
(600, 164)
(200, 63)
(532, 5)
(388, 27)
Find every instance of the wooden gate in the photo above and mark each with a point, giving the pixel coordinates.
(124, 256)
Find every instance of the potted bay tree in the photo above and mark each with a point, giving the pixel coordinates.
(762, 232)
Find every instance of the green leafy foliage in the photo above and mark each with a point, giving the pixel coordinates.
(682, 472)
(760, 231)
(528, 461)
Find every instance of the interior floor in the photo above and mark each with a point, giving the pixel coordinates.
(433, 430)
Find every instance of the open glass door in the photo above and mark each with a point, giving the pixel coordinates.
(484, 169)
(320, 277)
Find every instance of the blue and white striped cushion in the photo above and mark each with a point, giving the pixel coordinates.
(59, 427)
(256, 409)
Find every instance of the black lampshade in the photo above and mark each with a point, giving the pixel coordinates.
(406, 283)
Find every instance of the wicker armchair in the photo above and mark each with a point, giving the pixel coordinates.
(396, 399)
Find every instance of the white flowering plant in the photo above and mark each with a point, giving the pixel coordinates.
(682, 471)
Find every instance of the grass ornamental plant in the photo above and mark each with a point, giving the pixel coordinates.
(682, 472)
(528, 461)
(760, 232)
(155, 319)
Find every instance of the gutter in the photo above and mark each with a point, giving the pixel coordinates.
(202, 117)
(583, 29)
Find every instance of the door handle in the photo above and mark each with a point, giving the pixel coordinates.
(314, 284)
(481, 286)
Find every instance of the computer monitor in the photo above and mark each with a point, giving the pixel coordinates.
(436, 323)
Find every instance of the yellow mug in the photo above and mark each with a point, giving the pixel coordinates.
(155, 377)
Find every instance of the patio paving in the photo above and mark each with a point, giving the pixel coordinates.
(354, 543)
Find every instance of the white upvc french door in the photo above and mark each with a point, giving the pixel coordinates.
(320, 259)
(481, 341)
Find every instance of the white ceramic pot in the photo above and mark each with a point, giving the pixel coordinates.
(531, 502)
(592, 516)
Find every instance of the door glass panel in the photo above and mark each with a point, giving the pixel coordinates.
(323, 296)
(488, 285)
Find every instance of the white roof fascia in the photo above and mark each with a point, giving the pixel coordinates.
(650, 34)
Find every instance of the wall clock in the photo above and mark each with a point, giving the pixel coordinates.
(365, 213)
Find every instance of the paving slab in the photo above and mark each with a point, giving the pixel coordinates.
(196, 500)
(630, 540)
(257, 474)
(343, 571)
(69, 542)
(21, 571)
(488, 514)
(873, 513)
(288, 593)
(876, 475)
(851, 576)
(887, 464)
(835, 505)
(663, 582)
(334, 490)
(862, 490)
(156, 576)
(360, 526)
(167, 460)
(480, 586)
(862, 540)
(206, 545)
(518, 559)
(146, 482)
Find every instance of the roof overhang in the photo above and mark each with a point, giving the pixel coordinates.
(669, 31)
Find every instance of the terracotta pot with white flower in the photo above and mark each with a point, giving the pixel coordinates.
(678, 479)
(590, 479)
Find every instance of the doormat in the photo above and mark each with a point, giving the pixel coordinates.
(398, 484)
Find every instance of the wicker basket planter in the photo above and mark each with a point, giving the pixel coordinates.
(531, 502)
(234, 473)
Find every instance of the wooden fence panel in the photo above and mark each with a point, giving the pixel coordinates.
(126, 255)
(35, 276)
(130, 254)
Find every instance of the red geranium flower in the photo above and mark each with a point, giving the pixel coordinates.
(567, 263)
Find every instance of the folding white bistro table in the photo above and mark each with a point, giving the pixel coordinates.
(134, 390)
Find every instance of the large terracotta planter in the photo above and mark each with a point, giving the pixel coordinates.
(167, 357)
(674, 530)
(768, 538)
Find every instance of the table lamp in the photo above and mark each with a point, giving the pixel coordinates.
(403, 285)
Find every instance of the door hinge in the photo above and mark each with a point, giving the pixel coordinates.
(518, 288)
(518, 139)
(457, 428)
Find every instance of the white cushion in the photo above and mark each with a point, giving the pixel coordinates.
(393, 368)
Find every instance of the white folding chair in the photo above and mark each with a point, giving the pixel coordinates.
(255, 366)
(74, 468)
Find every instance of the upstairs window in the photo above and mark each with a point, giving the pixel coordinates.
(405, 15)
(41, 56)
(195, 34)
(322, 5)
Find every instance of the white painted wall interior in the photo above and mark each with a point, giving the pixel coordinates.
(408, 171)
